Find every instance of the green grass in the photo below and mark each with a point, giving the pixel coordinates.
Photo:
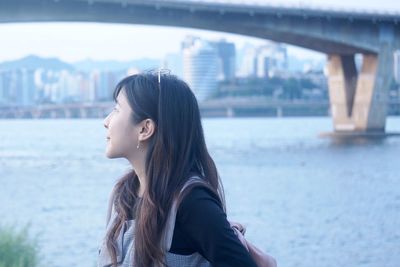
(17, 248)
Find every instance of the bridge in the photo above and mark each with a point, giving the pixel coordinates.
(233, 107)
(229, 107)
(358, 100)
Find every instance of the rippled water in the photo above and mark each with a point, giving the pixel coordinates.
(306, 200)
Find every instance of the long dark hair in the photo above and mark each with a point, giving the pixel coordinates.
(176, 150)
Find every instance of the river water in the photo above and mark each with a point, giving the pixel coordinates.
(306, 200)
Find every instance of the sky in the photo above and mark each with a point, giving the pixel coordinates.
(75, 41)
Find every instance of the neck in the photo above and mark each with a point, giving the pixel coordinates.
(139, 167)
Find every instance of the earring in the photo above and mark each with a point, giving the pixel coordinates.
(138, 145)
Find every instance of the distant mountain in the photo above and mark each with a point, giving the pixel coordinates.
(34, 62)
(112, 65)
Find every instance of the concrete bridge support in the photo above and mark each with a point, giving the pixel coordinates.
(359, 99)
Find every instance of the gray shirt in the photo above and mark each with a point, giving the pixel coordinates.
(125, 243)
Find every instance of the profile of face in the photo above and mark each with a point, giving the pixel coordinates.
(122, 134)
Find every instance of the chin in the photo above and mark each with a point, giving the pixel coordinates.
(110, 154)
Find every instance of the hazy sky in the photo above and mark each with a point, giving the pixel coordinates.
(76, 41)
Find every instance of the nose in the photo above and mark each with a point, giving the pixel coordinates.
(106, 121)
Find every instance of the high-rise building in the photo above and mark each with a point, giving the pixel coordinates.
(5, 79)
(188, 42)
(101, 85)
(27, 90)
(94, 84)
(271, 59)
(247, 61)
(200, 71)
(226, 59)
(68, 88)
(17, 87)
(397, 66)
(2, 90)
(263, 61)
(49, 85)
(86, 92)
(106, 84)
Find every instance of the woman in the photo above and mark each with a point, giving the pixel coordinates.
(170, 209)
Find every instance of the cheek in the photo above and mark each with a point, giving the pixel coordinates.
(123, 134)
(128, 136)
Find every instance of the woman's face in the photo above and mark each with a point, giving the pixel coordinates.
(122, 135)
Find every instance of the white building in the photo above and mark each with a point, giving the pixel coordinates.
(200, 67)
(68, 88)
(264, 61)
(247, 61)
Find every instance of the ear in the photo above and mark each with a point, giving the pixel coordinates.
(146, 130)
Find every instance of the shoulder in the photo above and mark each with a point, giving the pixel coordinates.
(199, 201)
(199, 194)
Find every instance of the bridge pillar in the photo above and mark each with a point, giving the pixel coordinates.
(359, 100)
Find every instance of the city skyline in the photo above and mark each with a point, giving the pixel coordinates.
(204, 64)
(76, 41)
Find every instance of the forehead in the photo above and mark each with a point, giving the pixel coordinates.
(122, 99)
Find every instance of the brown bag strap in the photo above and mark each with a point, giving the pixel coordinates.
(261, 258)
